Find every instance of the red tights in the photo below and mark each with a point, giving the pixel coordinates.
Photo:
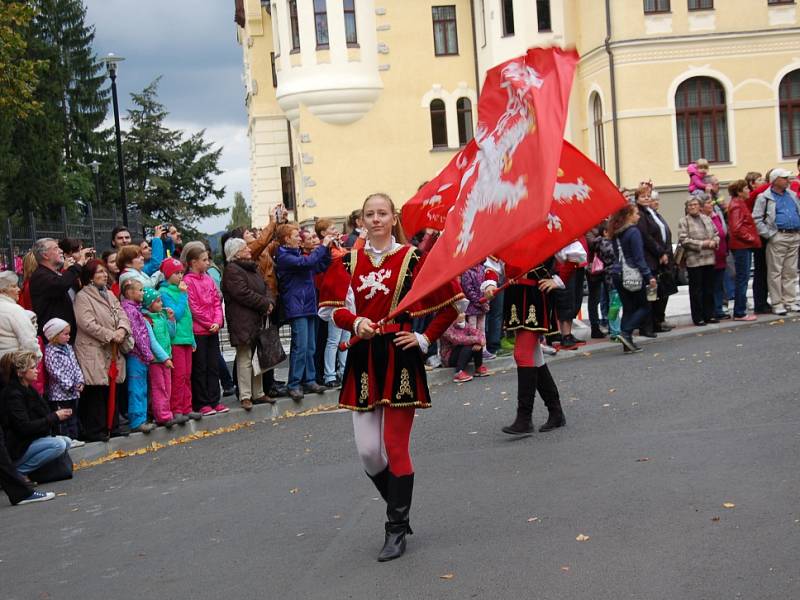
(382, 438)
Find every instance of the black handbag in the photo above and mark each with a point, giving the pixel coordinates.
(268, 350)
(57, 469)
(667, 282)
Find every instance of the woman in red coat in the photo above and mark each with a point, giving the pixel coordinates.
(743, 240)
(384, 377)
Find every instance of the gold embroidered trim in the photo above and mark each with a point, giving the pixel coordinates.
(432, 309)
(534, 329)
(364, 387)
(531, 315)
(353, 261)
(514, 318)
(401, 279)
(389, 403)
(405, 386)
(382, 257)
(332, 303)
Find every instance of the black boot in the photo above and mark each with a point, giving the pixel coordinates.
(398, 506)
(597, 333)
(381, 481)
(548, 390)
(526, 388)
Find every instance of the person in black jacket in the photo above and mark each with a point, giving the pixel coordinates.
(657, 240)
(28, 423)
(50, 287)
(248, 301)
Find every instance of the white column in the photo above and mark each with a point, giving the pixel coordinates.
(284, 33)
(367, 35)
(308, 33)
(336, 34)
(452, 119)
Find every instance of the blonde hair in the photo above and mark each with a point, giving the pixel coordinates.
(397, 230)
(128, 284)
(29, 265)
(701, 163)
(14, 363)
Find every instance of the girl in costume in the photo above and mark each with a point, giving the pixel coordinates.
(384, 376)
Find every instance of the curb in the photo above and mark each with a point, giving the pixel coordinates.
(286, 407)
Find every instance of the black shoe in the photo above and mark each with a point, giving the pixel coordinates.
(121, 431)
(597, 333)
(278, 391)
(647, 333)
(332, 384)
(569, 342)
(296, 394)
(712, 320)
(723, 316)
(555, 419)
(229, 391)
(662, 328)
(699, 323)
(526, 389)
(627, 343)
(314, 388)
(398, 506)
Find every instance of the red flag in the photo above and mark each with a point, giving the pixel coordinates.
(505, 190)
(582, 198)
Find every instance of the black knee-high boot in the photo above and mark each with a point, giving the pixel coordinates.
(526, 388)
(546, 386)
(381, 481)
(398, 506)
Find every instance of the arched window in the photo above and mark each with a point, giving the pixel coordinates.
(702, 120)
(789, 96)
(597, 129)
(438, 124)
(465, 134)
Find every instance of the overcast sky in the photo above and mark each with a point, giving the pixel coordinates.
(193, 46)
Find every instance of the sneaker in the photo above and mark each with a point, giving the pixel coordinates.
(507, 343)
(37, 497)
(76, 444)
(462, 377)
(795, 308)
(180, 419)
(144, 428)
(221, 408)
(746, 318)
(779, 310)
(247, 405)
(488, 355)
(549, 350)
(207, 411)
(196, 416)
(167, 424)
(482, 371)
(433, 362)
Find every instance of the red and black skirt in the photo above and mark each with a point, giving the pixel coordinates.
(379, 373)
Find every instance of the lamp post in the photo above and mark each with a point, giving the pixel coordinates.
(95, 166)
(111, 62)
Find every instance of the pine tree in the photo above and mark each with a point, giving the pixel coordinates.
(170, 179)
(240, 212)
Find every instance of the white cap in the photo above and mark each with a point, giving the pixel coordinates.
(778, 173)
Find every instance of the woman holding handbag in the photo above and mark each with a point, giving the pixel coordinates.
(699, 239)
(629, 272)
(247, 302)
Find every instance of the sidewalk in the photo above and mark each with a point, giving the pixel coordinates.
(285, 407)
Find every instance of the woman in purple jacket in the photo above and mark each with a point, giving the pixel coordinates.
(298, 298)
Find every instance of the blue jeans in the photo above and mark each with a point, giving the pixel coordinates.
(742, 260)
(301, 354)
(634, 308)
(494, 323)
(335, 335)
(40, 452)
(719, 291)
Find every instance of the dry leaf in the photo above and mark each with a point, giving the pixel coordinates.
(645, 459)
(447, 576)
(300, 534)
(533, 519)
(565, 568)
(715, 519)
(606, 405)
(582, 538)
(587, 353)
(656, 354)
(467, 403)
(62, 494)
(294, 490)
(728, 505)
(75, 509)
(612, 390)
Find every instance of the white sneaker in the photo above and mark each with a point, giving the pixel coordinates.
(433, 362)
(780, 311)
(549, 350)
(795, 308)
(76, 444)
(37, 497)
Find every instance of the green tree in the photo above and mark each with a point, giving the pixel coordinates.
(240, 212)
(170, 177)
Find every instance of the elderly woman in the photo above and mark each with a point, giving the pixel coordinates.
(17, 325)
(699, 239)
(103, 332)
(247, 302)
(28, 422)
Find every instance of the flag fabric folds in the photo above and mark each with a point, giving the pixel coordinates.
(505, 179)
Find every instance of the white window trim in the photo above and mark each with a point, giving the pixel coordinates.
(776, 84)
(450, 100)
(595, 89)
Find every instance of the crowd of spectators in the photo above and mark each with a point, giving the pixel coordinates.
(93, 347)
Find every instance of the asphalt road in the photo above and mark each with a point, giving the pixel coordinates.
(656, 443)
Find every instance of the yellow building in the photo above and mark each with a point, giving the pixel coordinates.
(347, 97)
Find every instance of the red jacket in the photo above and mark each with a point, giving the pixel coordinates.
(741, 227)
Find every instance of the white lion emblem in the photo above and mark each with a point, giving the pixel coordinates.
(374, 283)
(496, 152)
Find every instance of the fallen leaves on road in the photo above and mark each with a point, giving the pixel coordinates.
(715, 519)
(612, 390)
(643, 459)
(587, 354)
(565, 568)
(447, 576)
(533, 519)
(62, 494)
(728, 505)
(606, 405)
(777, 322)
(582, 538)
(294, 490)
(156, 446)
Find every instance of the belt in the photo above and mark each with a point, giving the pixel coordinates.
(788, 230)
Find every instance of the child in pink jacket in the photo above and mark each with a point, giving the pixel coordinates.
(459, 344)
(206, 308)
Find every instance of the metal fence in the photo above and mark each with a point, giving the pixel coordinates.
(17, 234)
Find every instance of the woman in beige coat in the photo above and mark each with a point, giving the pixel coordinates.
(699, 239)
(102, 328)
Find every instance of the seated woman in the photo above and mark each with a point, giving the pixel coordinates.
(26, 418)
(461, 343)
